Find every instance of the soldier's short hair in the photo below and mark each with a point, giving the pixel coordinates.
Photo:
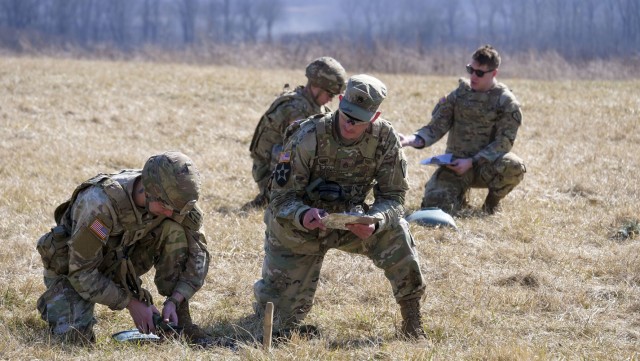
(487, 55)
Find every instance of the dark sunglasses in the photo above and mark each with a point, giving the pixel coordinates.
(353, 121)
(479, 73)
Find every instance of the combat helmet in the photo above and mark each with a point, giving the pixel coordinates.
(327, 73)
(173, 179)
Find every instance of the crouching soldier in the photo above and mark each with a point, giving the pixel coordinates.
(112, 230)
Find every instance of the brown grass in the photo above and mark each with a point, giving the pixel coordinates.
(551, 277)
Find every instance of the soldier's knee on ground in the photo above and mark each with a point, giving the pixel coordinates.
(511, 169)
(440, 199)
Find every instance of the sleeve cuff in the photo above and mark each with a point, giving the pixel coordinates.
(424, 142)
(185, 290)
(381, 225)
(296, 219)
(122, 303)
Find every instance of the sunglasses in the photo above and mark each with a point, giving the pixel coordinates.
(353, 121)
(479, 73)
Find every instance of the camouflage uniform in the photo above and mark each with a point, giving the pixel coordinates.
(101, 245)
(315, 163)
(267, 140)
(481, 126)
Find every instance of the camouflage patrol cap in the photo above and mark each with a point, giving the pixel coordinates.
(172, 178)
(326, 73)
(363, 96)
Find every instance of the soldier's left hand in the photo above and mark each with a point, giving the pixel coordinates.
(363, 231)
(460, 166)
(169, 313)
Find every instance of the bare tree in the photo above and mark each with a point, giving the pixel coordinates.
(20, 14)
(187, 9)
(117, 21)
(250, 20)
(270, 11)
(150, 20)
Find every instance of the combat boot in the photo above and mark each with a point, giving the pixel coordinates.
(79, 337)
(192, 333)
(491, 203)
(411, 319)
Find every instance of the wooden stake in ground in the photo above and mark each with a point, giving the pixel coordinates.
(267, 329)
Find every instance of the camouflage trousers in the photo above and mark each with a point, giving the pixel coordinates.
(448, 191)
(289, 278)
(67, 312)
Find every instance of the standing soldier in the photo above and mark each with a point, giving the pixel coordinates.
(326, 79)
(329, 165)
(482, 118)
(113, 229)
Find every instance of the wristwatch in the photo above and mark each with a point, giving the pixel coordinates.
(172, 300)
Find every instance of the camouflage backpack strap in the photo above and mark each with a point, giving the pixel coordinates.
(463, 89)
(120, 200)
(123, 270)
(63, 207)
(369, 146)
(326, 147)
(285, 96)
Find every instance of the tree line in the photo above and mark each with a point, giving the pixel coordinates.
(576, 29)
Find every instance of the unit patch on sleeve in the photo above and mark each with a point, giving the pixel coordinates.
(282, 173)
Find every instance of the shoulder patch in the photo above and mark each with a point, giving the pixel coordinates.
(282, 173)
(99, 229)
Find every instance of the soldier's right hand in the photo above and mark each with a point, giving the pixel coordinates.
(411, 140)
(142, 315)
(312, 219)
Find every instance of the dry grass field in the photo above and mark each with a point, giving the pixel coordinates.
(554, 276)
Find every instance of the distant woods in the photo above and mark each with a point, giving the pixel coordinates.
(576, 30)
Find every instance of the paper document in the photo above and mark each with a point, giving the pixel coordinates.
(340, 220)
(443, 159)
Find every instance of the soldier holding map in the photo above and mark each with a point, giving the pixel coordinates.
(329, 164)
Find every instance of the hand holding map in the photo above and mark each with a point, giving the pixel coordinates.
(340, 220)
(443, 159)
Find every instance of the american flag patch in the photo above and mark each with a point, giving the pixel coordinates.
(99, 229)
(285, 157)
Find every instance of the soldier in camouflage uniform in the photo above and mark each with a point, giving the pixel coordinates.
(113, 229)
(482, 118)
(330, 164)
(326, 78)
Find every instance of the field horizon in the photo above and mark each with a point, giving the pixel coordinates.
(555, 275)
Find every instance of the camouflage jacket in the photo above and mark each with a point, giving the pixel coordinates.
(315, 155)
(267, 137)
(480, 124)
(104, 223)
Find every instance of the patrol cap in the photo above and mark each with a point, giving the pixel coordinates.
(363, 97)
(172, 178)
